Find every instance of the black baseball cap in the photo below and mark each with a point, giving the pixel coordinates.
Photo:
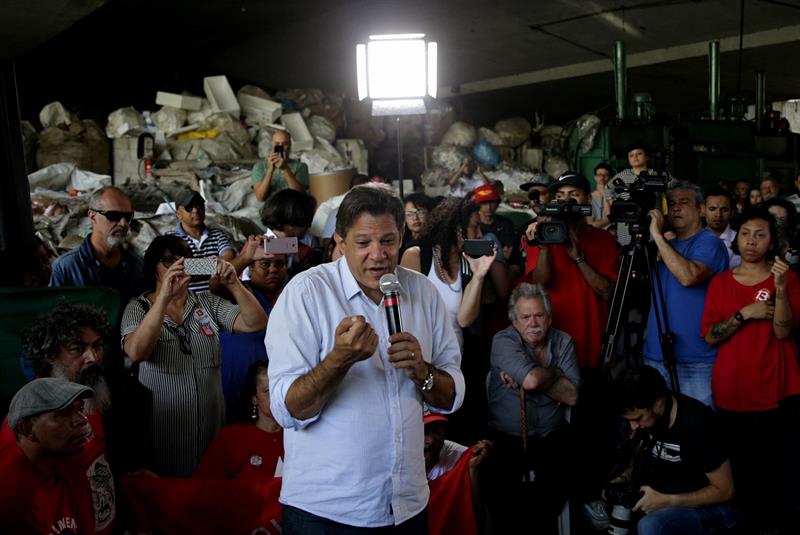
(572, 178)
(188, 197)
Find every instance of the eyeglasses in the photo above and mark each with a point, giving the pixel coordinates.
(115, 216)
(198, 205)
(416, 214)
(169, 260)
(183, 338)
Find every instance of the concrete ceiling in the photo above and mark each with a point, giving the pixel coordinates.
(171, 44)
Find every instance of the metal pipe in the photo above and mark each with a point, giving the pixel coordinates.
(761, 99)
(713, 80)
(620, 79)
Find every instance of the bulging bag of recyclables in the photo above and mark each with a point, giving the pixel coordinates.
(485, 153)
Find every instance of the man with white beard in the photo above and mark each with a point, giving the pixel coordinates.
(101, 260)
(532, 366)
(67, 342)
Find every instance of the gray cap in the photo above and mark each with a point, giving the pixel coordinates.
(539, 179)
(188, 197)
(44, 395)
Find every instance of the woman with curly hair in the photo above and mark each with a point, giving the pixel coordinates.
(458, 278)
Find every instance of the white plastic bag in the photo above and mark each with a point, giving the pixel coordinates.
(323, 127)
(514, 131)
(169, 119)
(54, 114)
(460, 134)
(122, 121)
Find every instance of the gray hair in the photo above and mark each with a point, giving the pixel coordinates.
(96, 200)
(528, 291)
(699, 197)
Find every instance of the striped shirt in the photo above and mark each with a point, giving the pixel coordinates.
(212, 242)
(186, 407)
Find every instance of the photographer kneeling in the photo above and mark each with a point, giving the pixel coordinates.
(681, 478)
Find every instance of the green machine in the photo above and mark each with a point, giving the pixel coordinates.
(703, 151)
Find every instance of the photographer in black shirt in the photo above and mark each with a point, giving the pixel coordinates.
(685, 483)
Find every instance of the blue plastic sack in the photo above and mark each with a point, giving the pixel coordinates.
(485, 153)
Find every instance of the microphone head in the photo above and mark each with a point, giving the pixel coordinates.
(389, 283)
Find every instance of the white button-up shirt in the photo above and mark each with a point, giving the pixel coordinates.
(360, 460)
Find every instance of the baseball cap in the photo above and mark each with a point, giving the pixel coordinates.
(485, 193)
(431, 417)
(572, 178)
(44, 395)
(188, 197)
(539, 179)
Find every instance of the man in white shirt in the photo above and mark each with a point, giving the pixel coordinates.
(349, 396)
(718, 212)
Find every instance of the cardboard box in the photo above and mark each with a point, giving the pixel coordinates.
(323, 186)
(220, 95)
(301, 136)
(355, 153)
(184, 102)
(260, 110)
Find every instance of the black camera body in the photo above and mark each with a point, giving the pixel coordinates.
(623, 493)
(642, 198)
(556, 231)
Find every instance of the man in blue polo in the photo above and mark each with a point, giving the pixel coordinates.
(190, 207)
(101, 260)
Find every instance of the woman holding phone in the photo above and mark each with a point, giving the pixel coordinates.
(440, 256)
(172, 337)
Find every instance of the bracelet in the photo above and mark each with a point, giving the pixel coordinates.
(427, 384)
(738, 317)
(580, 260)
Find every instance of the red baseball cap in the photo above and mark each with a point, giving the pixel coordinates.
(485, 193)
(431, 417)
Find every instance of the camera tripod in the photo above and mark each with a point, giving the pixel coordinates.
(639, 261)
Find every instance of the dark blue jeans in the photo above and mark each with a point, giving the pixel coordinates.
(714, 519)
(299, 522)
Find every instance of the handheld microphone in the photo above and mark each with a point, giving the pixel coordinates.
(390, 287)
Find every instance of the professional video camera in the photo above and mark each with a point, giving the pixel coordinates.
(555, 230)
(641, 197)
(622, 492)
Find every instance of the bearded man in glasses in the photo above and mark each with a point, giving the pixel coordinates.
(101, 260)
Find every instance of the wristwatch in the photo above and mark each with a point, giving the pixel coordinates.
(738, 317)
(427, 384)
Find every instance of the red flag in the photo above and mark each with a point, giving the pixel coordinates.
(450, 505)
(200, 506)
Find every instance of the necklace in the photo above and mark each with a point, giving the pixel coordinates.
(442, 273)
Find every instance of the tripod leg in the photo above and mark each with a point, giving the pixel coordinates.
(666, 338)
(617, 308)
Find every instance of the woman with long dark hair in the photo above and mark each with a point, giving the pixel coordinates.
(440, 256)
(172, 337)
(749, 315)
(251, 447)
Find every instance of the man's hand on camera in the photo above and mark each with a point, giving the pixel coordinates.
(656, 222)
(652, 500)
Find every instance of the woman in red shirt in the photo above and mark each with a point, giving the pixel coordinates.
(749, 315)
(252, 448)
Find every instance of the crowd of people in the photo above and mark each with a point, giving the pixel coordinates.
(696, 430)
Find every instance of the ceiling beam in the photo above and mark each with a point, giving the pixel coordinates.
(776, 36)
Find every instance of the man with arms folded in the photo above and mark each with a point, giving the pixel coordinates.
(349, 395)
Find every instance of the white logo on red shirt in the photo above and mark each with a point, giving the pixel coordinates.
(763, 295)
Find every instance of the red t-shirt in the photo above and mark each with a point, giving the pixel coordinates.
(92, 465)
(577, 309)
(241, 451)
(32, 503)
(754, 370)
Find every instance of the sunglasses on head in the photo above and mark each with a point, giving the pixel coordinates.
(115, 215)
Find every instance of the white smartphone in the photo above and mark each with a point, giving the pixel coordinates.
(280, 246)
(200, 266)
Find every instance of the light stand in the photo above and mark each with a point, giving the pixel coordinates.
(397, 73)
